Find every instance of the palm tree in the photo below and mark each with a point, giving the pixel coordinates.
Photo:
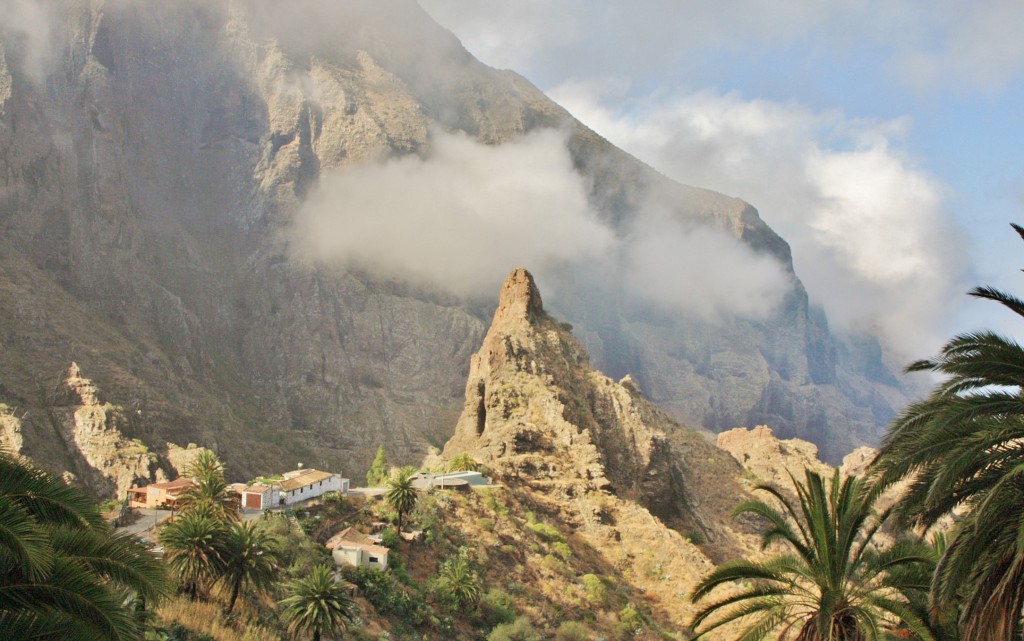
(457, 578)
(914, 581)
(963, 449)
(402, 494)
(317, 603)
(206, 464)
(194, 544)
(210, 491)
(250, 558)
(63, 573)
(831, 582)
(462, 463)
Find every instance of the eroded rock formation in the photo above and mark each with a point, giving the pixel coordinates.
(79, 427)
(541, 418)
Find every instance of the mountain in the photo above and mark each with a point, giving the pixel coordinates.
(541, 419)
(154, 158)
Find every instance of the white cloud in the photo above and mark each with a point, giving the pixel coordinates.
(466, 214)
(871, 237)
(702, 272)
(462, 218)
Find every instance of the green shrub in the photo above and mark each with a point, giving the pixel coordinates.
(493, 503)
(110, 505)
(497, 607)
(390, 539)
(385, 594)
(594, 590)
(553, 563)
(629, 624)
(561, 548)
(299, 554)
(177, 632)
(572, 631)
(545, 532)
(519, 630)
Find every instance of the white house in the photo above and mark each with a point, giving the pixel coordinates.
(300, 485)
(350, 547)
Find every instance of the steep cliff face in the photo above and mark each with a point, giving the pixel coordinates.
(150, 164)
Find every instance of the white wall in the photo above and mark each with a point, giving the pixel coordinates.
(333, 484)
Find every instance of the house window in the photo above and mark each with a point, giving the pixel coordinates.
(373, 559)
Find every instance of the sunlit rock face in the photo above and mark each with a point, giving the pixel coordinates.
(154, 158)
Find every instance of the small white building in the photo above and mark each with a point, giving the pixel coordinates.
(360, 555)
(260, 496)
(301, 485)
(350, 547)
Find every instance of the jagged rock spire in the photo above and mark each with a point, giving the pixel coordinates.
(520, 298)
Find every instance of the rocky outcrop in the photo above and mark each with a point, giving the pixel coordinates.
(777, 461)
(590, 453)
(770, 459)
(89, 435)
(11, 439)
(92, 430)
(540, 418)
(152, 163)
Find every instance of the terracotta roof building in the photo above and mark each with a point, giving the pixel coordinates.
(158, 495)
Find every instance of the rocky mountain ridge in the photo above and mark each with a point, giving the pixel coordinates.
(150, 168)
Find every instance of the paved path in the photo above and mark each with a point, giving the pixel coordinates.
(143, 526)
(149, 517)
(367, 491)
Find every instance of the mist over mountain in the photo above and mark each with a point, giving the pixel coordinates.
(276, 229)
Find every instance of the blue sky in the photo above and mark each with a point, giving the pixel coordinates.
(883, 140)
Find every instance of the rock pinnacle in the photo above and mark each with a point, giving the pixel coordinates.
(520, 298)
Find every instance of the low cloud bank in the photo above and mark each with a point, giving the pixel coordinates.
(466, 214)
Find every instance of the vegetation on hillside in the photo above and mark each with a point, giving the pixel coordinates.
(379, 469)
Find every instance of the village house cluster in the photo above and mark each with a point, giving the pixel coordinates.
(293, 487)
